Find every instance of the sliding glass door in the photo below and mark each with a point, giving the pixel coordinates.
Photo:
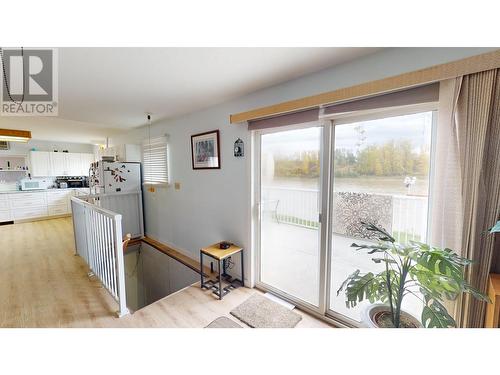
(289, 208)
(377, 170)
(380, 175)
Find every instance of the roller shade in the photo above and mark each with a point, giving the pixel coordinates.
(285, 119)
(417, 95)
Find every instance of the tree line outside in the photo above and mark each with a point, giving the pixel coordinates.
(389, 159)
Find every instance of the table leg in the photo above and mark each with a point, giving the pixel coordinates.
(220, 280)
(201, 270)
(242, 272)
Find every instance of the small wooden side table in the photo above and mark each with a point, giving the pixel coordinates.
(215, 252)
(493, 309)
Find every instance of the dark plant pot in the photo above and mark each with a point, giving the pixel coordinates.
(374, 315)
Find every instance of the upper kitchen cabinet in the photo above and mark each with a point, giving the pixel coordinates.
(128, 153)
(74, 164)
(40, 163)
(124, 153)
(59, 164)
(55, 164)
(85, 161)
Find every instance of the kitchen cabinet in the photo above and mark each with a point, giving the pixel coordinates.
(5, 214)
(124, 152)
(74, 164)
(40, 163)
(85, 161)
(37, 204)
(59, 164)
(27, 205)
(110, 151)
(59, 202)
(55, 164)
(128, 153)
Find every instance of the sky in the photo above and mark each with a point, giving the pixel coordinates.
(414, 127)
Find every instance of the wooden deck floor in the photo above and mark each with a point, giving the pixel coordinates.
(43, 284)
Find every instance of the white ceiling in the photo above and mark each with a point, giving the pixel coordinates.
(113, 88)
(117, 86)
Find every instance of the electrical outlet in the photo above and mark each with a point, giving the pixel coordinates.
(177, 185)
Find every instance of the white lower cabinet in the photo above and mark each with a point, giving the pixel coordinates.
(32, 205)
(4, 208)
(59, 202)
(58, 210)
(29, 213)
(5, 215)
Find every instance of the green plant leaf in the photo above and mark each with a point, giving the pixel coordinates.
(372, 248)
(386, 260)
(360, 287)
(439, 263)
(435, 315)
(495, 228)
(476, 293)
(380, 232)
(437, 273)
(439, 286)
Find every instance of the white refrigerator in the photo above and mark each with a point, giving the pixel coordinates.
(118, 186)
(115, 177)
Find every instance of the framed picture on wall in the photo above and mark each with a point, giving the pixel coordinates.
(205, 151)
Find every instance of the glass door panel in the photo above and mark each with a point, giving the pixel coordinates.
(381, 175)
(289, 204)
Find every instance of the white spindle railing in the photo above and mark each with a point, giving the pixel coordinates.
(98, 240)
(128, 204)
(299, 206)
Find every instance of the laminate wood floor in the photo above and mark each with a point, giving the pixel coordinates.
(43, 284)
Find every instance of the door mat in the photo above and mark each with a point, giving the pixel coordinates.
(223, 322)
(260, 312)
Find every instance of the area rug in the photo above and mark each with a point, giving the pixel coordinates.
(223, 322)
(260, 312)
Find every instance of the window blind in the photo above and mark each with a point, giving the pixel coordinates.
(155, 160)
(285, 119)
(417, 95)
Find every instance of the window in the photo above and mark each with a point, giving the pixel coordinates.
(155, 160)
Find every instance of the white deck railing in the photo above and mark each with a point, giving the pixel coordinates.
(98, 240)
(299, 206)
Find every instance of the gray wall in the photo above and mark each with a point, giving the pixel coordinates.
(151, 275)
(214, 205)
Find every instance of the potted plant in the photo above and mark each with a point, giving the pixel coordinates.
(495, 228)
(429, 273)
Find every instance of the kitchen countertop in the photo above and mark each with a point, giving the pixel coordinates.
(38, 190)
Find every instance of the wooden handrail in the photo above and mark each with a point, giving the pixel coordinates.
(173, 253)
(126, 241)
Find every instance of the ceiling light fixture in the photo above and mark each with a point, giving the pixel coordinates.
(11, 135)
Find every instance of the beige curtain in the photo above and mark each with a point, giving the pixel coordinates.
(478, 130)
(446, 214)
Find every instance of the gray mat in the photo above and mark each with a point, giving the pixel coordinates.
(223, 322)
(260, 312)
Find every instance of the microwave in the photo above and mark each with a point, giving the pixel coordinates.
(29, 184)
